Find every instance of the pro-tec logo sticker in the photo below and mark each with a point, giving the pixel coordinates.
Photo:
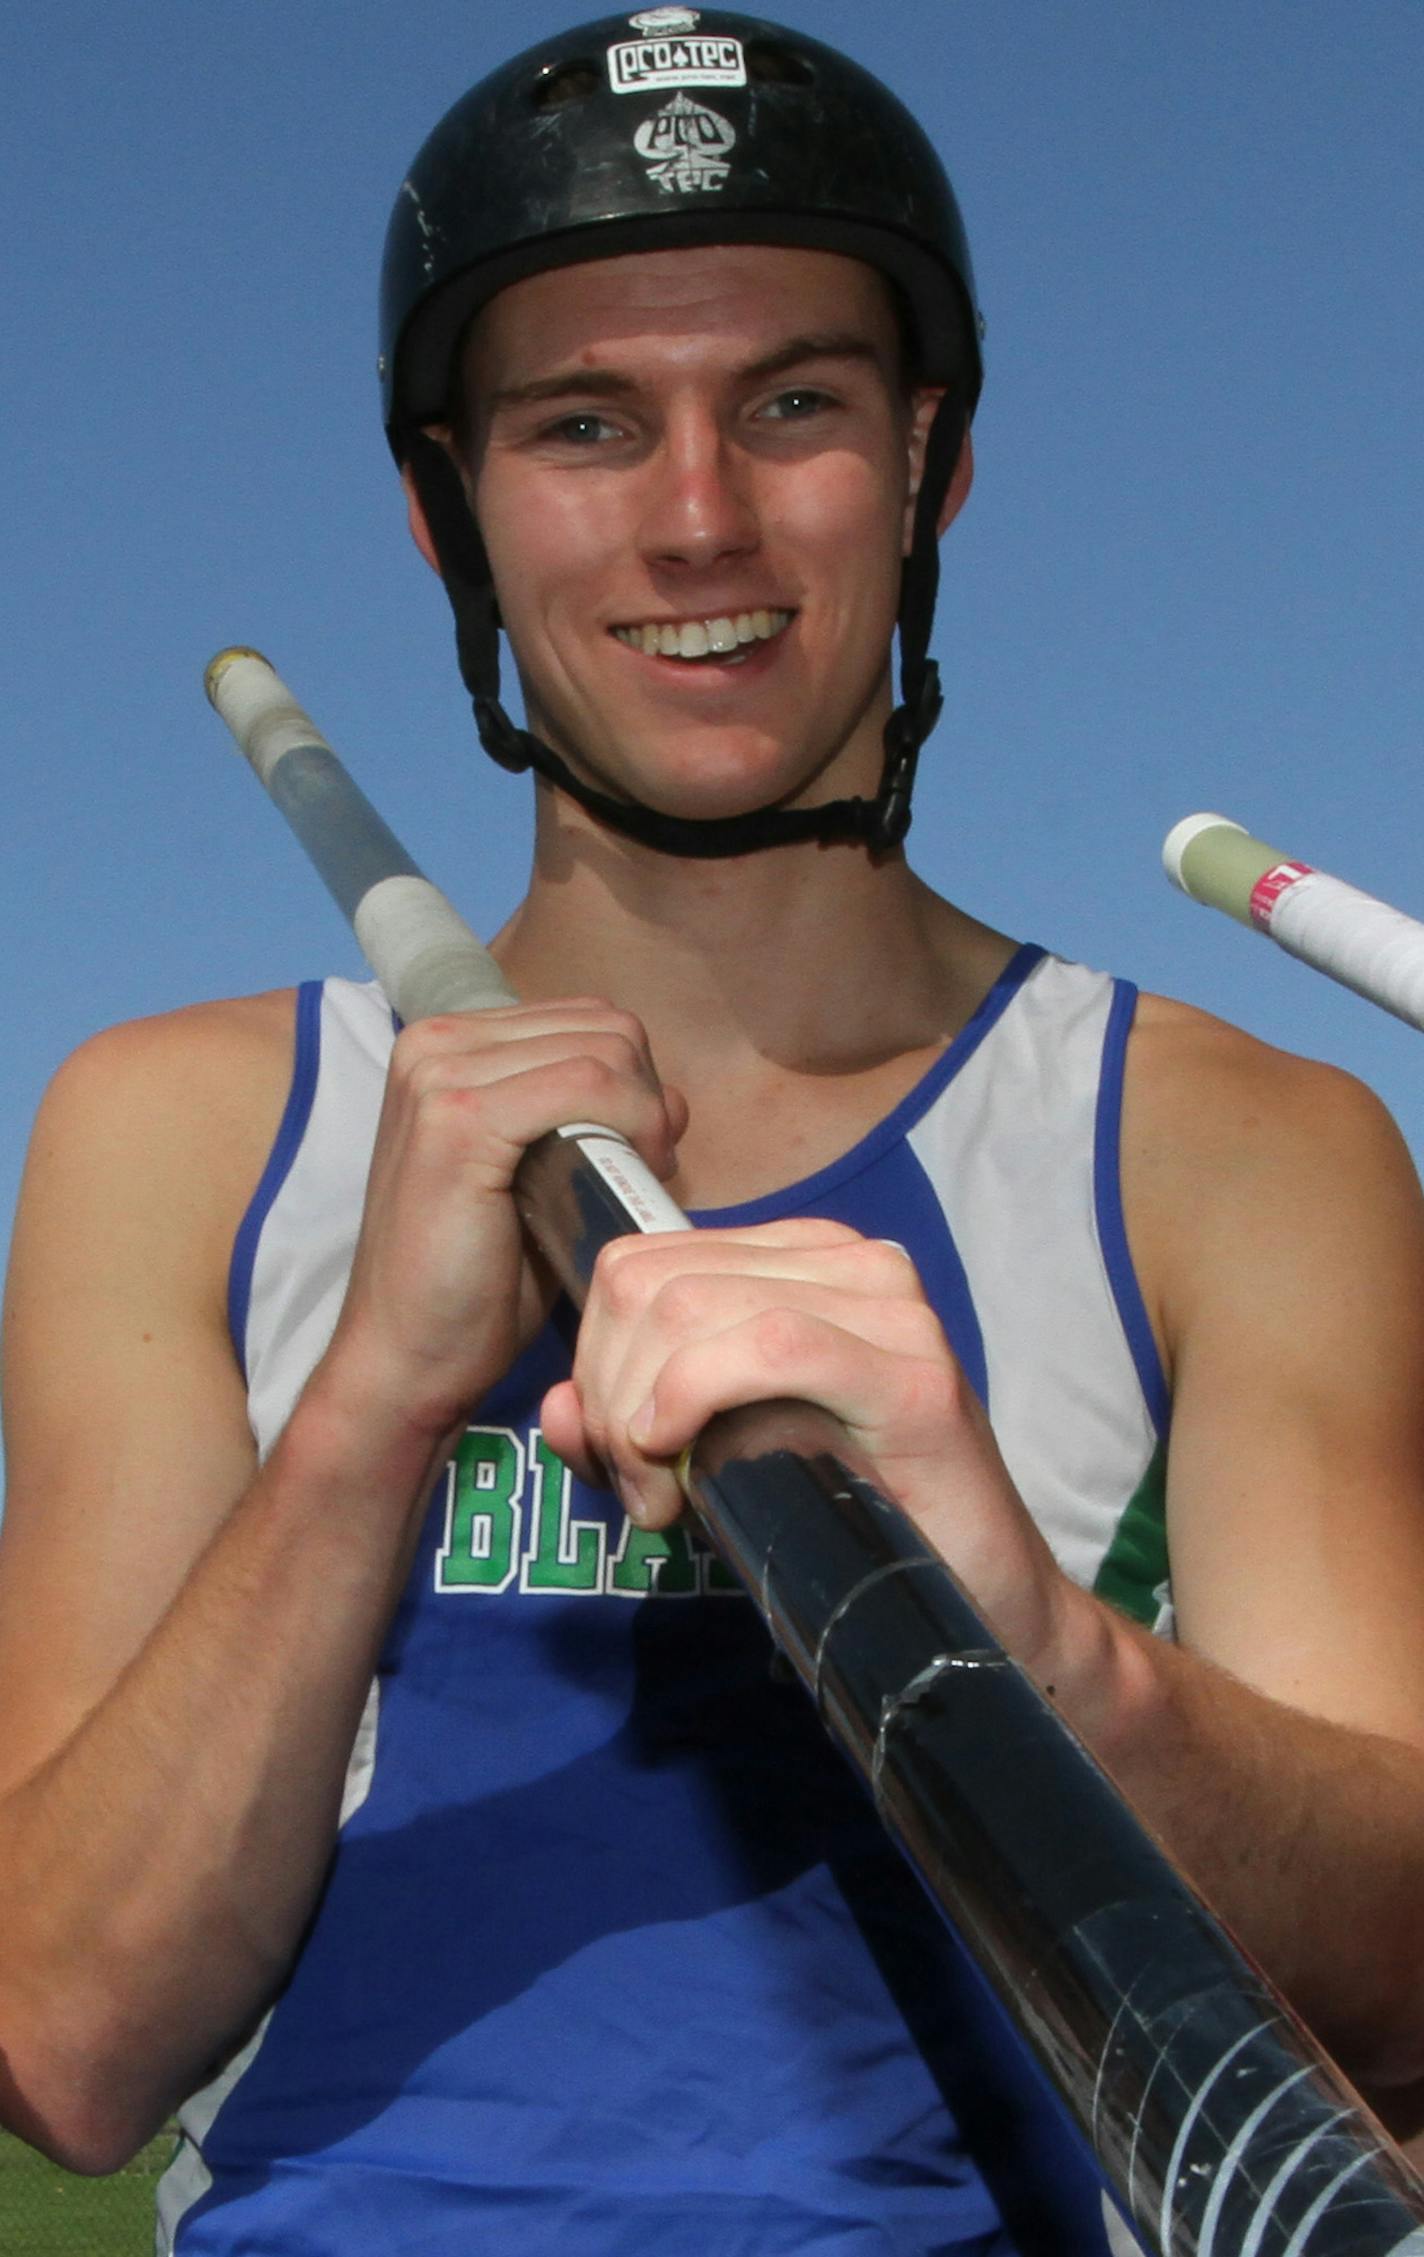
(671, 54)
(686, 146)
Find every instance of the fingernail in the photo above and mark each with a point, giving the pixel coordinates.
(640, 1425)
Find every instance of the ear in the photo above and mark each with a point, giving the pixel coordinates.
(419, 524)
(922, 415)
(959, 484)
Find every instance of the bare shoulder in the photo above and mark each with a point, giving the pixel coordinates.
(1241, 1159)
(188, 1101)
(149, 1142)
(199, 1052)
(1206, 1092)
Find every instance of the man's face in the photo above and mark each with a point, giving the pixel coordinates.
(692, 472)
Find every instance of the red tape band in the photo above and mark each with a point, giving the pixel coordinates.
(1269, 887)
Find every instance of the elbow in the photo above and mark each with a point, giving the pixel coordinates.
(90, 2148)
(82, 2133)
(79, 2104)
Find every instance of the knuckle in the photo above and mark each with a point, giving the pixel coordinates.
(594, 1075)
(924, 1334)
(628, 1028)
(680, 1303)
(781, 1337)
(619, 1278)
(931, 1392)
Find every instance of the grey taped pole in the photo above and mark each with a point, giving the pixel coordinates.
(1120, 1980)
(421, 950)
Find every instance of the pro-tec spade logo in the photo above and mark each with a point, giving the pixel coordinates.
(686, 146)
(670, 53)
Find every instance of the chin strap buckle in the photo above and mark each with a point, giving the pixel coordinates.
(501, 740)
(905, 731)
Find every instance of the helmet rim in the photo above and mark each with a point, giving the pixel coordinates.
(501, 190)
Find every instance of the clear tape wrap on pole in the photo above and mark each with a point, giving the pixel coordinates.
(1351, 936)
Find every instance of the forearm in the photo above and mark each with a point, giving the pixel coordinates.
(1305, 1835)
(158, 1868)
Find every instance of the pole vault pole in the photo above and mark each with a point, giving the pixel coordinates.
(1349, 935)
(1216, 2119)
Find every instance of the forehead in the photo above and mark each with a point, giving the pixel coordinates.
(730, 302)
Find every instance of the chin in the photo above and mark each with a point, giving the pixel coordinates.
(706, 776)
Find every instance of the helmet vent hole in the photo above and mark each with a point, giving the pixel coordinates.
(771, 64)
(563, 83)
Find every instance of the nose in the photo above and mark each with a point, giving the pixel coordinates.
(698, 509)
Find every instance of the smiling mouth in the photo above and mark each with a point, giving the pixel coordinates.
(725, 638)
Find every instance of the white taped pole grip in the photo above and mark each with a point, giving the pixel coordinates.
(1351, 936)
(422, 951)
(420, 948)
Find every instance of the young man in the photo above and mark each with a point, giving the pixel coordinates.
(607, 1953)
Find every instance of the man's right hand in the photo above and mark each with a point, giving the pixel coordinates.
(444, 1288)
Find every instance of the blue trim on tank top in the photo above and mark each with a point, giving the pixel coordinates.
(793, 1197)
(1112, 1225)
(306, 1064)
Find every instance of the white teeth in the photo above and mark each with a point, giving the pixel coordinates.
(697, 638)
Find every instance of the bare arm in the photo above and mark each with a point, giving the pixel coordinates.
(1279, 1757)
(186, 1642)
(1276, 1208)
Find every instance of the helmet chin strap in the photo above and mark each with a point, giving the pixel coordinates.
(879, 824)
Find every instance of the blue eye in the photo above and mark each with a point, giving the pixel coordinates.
(583, 430)
(795, 406)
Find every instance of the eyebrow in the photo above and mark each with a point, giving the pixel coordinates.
(610, 384)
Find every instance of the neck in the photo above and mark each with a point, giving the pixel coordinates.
(806, 957)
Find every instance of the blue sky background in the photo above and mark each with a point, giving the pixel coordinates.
(1190, 574)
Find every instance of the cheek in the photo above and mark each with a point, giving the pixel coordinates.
(545, 549)
(850, 516)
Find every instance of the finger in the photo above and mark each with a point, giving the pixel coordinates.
(654, 1295)
(561, 1419)
(632, 1272)
(890, 1378)
(484, 1117)
(905, 1392)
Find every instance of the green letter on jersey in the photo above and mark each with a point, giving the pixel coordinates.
(564, 1554)
(654, 1561)
(482, 1513)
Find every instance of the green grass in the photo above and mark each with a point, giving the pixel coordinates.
(47, 2212)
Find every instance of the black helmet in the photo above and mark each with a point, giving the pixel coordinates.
(674, 126)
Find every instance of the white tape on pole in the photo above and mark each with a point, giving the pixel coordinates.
(423, 953)
(1351, 936)
(427, 959)
(259, 709)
